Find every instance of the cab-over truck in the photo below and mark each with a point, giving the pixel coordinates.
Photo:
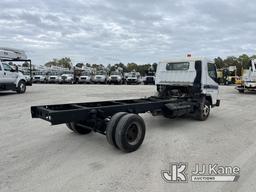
(184, 86)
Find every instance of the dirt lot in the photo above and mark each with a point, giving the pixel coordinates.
(35, 156)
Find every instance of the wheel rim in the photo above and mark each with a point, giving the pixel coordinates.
(133, 134)
(22, 87)
(206, 110)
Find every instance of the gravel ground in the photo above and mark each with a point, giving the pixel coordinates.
(35, 156)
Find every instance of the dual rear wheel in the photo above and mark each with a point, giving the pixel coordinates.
(125, 131)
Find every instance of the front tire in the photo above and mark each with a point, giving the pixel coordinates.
(203, 112)
(21, 87)
(130, 132)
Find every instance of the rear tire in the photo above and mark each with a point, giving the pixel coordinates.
(111, 128)
(21, 87)
(203, 112)
(130, 132)
(78, 129)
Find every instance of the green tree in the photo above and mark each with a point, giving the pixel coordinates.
(54, 62)
(80, 65)
(244, 61)
(131, 67)
(143, 69)
(253, 57)
(219, 62)
(65, 62)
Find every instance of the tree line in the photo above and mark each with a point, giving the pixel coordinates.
(241, 62)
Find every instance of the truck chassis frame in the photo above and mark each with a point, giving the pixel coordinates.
(119, 119)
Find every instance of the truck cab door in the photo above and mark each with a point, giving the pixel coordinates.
(211, 87)
(10, 75)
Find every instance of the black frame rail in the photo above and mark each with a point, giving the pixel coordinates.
(77, 112)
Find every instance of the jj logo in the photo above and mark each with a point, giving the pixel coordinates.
(176, 173)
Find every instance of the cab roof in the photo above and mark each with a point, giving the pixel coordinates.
(185, 59)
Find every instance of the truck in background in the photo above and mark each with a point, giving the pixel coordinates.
(248, 79)
(149, 79)
(10, 76)
(100, 77)
(40, 77)
(116, 76)
(67, 77)
(133, 78)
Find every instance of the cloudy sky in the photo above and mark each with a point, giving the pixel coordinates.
(142, 31)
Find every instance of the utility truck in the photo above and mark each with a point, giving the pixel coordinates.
(116, 77)
(54, 76)
(85, 77)
(186, 86)
(150, 77)
(68, 77)
(100, 77)
(248, 79)
(40, 77)
(10, 77)
(133, 78)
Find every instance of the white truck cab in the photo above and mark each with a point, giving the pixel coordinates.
(133, 78)
(100, 77)
(67, 77)
(11, 78)
(85, 77)
(54, 77)
(116, 77)
(190, 77)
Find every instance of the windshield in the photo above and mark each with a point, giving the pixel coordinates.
(100, 73)
(132, 74)
(182, 66)
(115, 73)
(26, 72)
(67, 74)
(85, 73)
(39, 73)
(54, 73)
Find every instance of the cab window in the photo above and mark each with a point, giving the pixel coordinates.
(181, 66)
(212, 71)
(7, 67)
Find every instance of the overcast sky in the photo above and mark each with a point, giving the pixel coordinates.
(142, 31)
